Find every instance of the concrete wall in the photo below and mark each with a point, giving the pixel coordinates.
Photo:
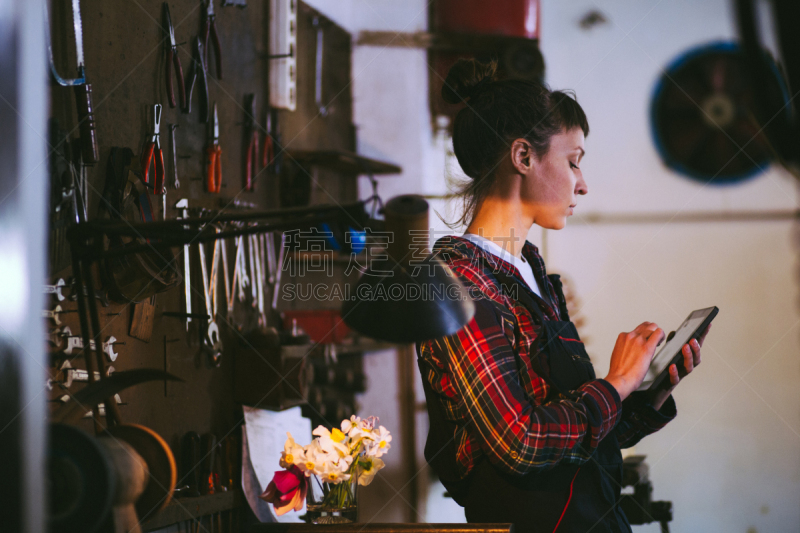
(731, 460)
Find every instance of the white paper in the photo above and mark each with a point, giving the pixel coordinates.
(252, 488)
(263, 440)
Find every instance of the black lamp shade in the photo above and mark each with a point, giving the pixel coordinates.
(408, 304)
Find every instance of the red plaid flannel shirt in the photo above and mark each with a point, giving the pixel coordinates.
(509, 412)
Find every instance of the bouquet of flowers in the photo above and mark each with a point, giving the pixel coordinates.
(337, 458)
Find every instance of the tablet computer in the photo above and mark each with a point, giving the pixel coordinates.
(670, 353)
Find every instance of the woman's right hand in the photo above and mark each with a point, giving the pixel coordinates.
(631, 357)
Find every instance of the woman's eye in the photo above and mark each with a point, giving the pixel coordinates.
(573, 165)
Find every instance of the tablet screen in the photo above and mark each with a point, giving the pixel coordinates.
(682, 335)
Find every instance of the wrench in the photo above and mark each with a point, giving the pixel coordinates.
(73, 295)
(276, 287)
(187, 264)
(175, 183)
(56, 336)
(253, 271)
(241, 265)
(54, 314)
(270, 242)
(259, 281)
(213, 343)
(83, 375)
(67, 375)
(101, 407)
(56, 289)
(228, 287)
(76, 343)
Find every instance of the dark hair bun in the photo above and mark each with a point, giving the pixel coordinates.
(466, 78)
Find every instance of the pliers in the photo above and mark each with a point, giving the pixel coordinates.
(210, 26)
(252, 158)
(198, 69)
(173, 58)
(269, 146)
(152, 153)
(214, 152)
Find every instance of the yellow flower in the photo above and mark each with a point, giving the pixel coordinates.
(337, 435)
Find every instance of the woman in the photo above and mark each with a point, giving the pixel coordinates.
(522, 430)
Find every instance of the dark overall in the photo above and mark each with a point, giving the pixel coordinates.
(534, 502)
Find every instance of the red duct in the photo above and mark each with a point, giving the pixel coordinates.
(508, 18)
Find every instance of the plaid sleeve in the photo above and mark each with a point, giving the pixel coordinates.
(640, 418)
(518, 434)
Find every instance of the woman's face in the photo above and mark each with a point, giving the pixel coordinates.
(552, 184)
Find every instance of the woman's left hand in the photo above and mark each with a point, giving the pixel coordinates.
(691, 358)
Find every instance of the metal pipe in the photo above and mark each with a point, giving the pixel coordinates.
(686, 217)
(84, 321)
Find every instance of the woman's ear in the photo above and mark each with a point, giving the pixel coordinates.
(521, 155)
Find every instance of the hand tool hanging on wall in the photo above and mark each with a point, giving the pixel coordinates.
(152, 153)
(55, 337)
(253, 271)
(66, 375)
(55, 314)
(214, 152)
(243, 280)
(173, 148)
(173, 59)
(251, 132)
(56, 289)
(83, 90)
(279, 269)
(268, 154)
(75, 345)
(183, 205)
(262, 274)
(210, 27)
(97, 294)
(225, 277)
(198, 70)
(212, 342)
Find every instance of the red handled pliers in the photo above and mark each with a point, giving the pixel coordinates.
(210, 27)
(269, 146)
(173, 59)
(252, 159)
(214, 152)
(152, 153)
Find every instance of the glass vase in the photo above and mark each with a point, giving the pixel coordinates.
(329, 503)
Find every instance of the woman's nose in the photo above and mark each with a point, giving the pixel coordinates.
(581, 187)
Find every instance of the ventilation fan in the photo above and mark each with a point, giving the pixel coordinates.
(702, 115)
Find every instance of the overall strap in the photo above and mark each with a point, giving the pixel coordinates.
(522, 295)
(546, 337)
(555, 279)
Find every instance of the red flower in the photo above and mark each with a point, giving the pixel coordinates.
(287, 490)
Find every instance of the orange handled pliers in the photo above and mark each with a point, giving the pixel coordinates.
(152, 153)
(214, 152)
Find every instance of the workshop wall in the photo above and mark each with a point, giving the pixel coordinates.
(125, 63)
